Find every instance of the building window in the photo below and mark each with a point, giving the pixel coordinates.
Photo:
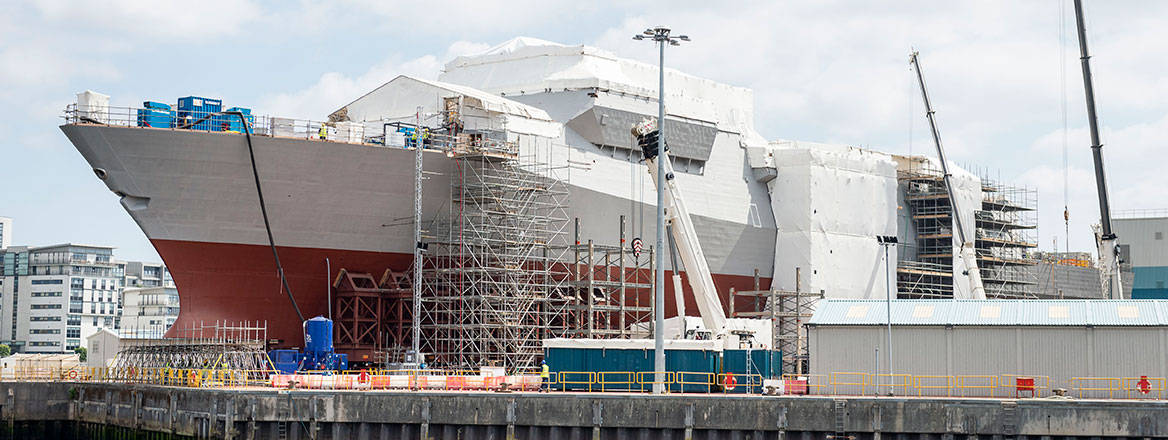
(57, 281)
(45, 318)
(73, 333)
(1159, 235)
(45, 306)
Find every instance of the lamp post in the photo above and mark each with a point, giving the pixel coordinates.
(887, 241)
(660, 35)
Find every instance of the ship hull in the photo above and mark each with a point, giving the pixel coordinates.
(194, 196)
(237, 282)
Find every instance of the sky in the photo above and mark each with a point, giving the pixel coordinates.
(1000, 74)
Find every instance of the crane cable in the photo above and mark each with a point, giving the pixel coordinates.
(1063, 101)
(264, 210)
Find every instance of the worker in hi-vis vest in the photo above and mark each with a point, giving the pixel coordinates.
(323, 133)
(543, 376)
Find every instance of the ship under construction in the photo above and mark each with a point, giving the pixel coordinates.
(535, 210)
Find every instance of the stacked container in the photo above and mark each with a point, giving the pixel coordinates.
(194, 108)
(233, 123)
(156, 115)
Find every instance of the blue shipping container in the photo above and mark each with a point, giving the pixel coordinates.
(233, 123)
(155, 118)
(193, 110)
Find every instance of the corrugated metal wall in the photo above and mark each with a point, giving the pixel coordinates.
(1141, 234)
(1058, 352)
(1146, 240)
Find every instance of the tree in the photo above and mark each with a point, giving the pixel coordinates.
(82, 352)
(5, 350)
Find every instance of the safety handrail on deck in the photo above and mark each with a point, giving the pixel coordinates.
(373, 133)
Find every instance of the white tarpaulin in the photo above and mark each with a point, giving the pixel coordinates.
(630, 344)
(399, 99)
(830, 202)
(967, 190)
(528, 65)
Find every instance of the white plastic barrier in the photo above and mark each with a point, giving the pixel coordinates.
(404, 381)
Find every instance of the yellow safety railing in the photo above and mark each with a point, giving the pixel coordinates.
(977, 382)
(896, 384)
(567, 378)
(837, 380)
(732, 382)
(625, 379)
(1144, 387)
(649, 378)
(701, 379)
(1096, 385)
(922, 383)
(840, 383)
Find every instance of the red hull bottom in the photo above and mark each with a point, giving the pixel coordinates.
(239, 282)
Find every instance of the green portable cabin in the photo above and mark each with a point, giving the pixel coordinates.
(627, 364)
(764, 364)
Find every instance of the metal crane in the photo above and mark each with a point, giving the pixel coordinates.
(967, 251)
(1105, 237)
(685, 238)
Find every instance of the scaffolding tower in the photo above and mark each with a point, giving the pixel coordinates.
(612, 289)
(788, 311)
(926, 271)
(1005, 229)
(1006, 237)
(494, 283)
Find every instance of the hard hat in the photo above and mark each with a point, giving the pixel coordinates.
(543, 362)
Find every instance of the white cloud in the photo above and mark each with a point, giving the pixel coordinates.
(1135, 180)
(463, 17)
(172, 19)
(335, 89)
(34, 64)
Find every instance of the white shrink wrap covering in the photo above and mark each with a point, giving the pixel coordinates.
(830, 202)
(967, 191)
(93, 106)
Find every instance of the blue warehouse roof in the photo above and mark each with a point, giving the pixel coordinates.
(941, 312)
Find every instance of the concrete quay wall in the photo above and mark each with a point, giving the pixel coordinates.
(297, 414)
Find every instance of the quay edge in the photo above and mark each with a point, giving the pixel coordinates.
(265, 413)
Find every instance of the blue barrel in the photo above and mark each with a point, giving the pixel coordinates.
(318, 335)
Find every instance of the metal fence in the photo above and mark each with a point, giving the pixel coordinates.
(371, 132)
(1003, 386)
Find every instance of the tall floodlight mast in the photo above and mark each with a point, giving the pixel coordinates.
(660, 35)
